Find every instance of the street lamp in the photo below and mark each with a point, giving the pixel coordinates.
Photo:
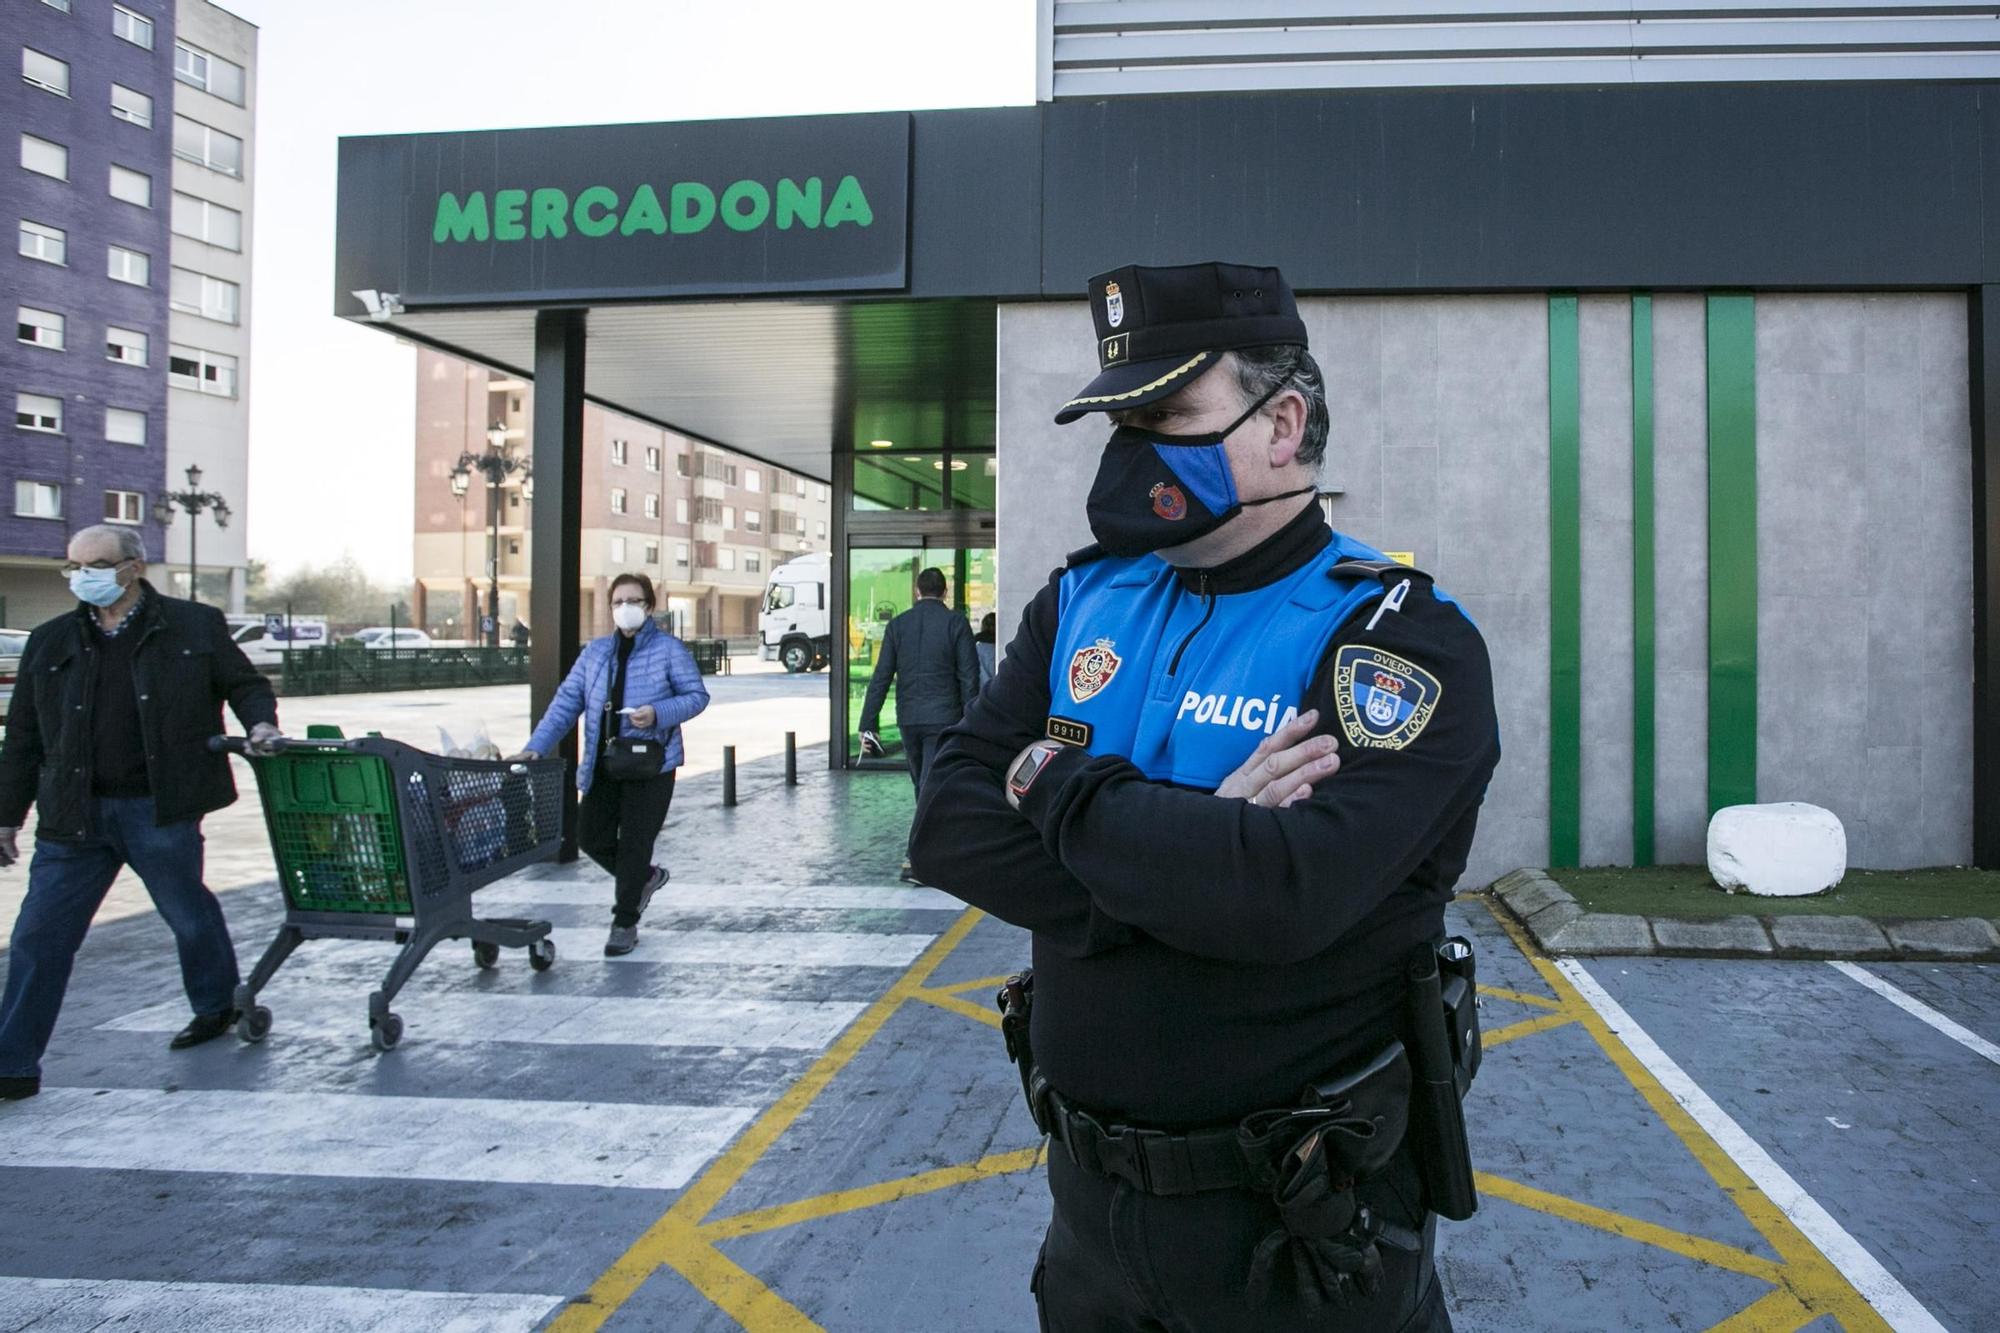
(496, 465)
(194, 499)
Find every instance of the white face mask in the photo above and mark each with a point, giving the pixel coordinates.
(628, 615)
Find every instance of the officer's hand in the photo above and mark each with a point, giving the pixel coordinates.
(1282, 770)
(10, 849)
(263, 737)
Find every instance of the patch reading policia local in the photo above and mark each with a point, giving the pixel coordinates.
(1383, 701)
(1091, 669)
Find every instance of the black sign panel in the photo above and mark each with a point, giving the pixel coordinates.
(802, 204)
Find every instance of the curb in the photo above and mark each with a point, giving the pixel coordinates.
(1561, 925)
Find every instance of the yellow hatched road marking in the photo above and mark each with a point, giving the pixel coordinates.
(987, 984)
(959, 1005)
(1707, 1251)
(674, 1241)
(1527, 1027)
(1776, 1311)
(1520, 997)
(868, 1196)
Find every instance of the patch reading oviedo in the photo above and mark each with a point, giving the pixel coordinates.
(1383, 700)
(746, 205)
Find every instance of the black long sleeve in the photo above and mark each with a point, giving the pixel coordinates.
(21, 754)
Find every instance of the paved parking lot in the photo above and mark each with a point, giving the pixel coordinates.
(789, 1109)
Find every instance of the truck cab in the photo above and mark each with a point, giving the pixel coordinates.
(795, 625)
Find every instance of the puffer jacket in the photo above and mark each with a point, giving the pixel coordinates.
(660, 672)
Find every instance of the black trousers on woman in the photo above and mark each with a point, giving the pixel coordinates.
(617, 825)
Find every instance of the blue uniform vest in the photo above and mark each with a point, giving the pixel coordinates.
(1115, 686)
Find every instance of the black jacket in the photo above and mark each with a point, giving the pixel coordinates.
(1198, 958)
(184, 668)
(928, 649)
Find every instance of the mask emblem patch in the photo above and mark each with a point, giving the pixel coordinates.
(1168, 502)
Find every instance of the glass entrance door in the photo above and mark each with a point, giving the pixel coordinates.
(881, 585)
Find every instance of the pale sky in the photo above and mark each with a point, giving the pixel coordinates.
(332, 405)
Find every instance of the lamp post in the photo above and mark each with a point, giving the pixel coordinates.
(194, 499)
(496, 465)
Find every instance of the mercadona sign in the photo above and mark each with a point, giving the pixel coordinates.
(690, 207)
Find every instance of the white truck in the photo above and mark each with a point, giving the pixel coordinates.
(265, 642)
(795, 626)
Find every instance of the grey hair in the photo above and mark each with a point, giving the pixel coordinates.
(131, 542)
(1259, 370)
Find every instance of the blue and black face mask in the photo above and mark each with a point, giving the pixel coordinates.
(1154, 491)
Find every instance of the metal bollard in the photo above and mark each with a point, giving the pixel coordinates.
(791, 759)
(729, 775)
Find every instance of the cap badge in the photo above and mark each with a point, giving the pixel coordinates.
(1091, 670)
(1168, 502)
(1114, 305)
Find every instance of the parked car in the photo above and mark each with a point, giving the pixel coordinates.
(12, 643)
(268, 650)
(383, 636)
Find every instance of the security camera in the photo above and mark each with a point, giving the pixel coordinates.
(382, 306)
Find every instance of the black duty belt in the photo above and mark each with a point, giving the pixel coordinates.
(1153, 1160)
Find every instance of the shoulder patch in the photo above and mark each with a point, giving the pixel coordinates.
(1384, 701)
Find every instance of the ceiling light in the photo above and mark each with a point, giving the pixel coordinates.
(881, 444)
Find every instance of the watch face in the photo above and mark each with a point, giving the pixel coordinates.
(1024, 776)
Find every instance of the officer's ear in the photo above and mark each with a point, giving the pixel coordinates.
(1288, 426)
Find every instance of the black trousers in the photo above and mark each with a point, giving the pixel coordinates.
(616, 826)
(919, 748)
(1118, 1260)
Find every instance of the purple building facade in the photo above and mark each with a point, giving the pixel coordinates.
(88, 190)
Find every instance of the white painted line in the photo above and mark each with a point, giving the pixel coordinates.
(541, 1019)
(710, 897)
(76, 1305)
(349, 1135)
(747, 948)
(1902, 1311)
(1916, 1008)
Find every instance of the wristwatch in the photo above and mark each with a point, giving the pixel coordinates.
(1032, 763)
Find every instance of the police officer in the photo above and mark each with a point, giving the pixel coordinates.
(1227, 774)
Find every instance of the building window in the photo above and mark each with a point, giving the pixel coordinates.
(752, 479)
(134, 187)
(207, 372)
(652, 554)
(44, 72)
(618, 452)
(210, 73)
(708, 511)
(617, 499)
(45, 157)
(124, 507)
(680, 465)
(753, 520)
(753, 563)
(729, 518)
(680, 555)
(201, 220)
(652, 506)
(40, 328)
(124, 426)
(199, 294)
(130, 266)
(48, 244)
(125, 345)
(822, 529)
(680, 509)
(37, 499)
(207, 146)
(819, 492)
(513, 546)
(134, 28)
(38, 411)
(617, 550)
(63, 5)
(652, 458)
(129, 104)
(725, 559)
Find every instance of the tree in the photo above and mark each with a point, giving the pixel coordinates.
(341, 591)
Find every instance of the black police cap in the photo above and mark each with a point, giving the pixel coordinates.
(1158, 329)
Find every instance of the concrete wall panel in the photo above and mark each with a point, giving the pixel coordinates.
(1604, 326)
(1043, 357)
(1680, 481)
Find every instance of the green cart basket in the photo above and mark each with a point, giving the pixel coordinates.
(377, 840)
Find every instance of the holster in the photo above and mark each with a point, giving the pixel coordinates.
(1016, 1001)
(1441, 1029)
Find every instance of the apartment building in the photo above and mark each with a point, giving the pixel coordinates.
(707, 524)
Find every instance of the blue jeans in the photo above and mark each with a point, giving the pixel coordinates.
(65, 885)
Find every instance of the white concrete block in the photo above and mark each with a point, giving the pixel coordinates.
(1782, 850)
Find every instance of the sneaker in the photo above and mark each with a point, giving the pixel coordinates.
(907, 875)
(659, 877)
(622, 940)
(13, 1087)
(205, 1027)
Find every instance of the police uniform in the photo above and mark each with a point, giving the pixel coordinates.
(1199, 960)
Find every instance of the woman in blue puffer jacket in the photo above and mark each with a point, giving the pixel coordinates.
(644, 680)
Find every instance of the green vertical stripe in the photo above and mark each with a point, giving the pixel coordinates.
(1643, 689)
(1565, 588)
(1732, 551)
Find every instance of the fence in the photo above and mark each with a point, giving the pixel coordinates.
(346, 668)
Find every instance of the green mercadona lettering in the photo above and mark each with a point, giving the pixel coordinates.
(518, 215)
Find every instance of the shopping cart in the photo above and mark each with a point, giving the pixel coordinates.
(377, 840)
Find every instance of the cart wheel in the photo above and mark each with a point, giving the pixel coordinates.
(542, 954)
(255, 1025)
(385, 1033)
(485, 953)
